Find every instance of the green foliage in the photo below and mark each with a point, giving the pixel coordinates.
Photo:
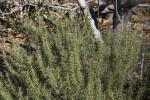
(69, 64)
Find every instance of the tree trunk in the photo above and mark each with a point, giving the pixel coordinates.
(92, 19)
(121, 9)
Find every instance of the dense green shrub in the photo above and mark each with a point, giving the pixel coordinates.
(69, 64)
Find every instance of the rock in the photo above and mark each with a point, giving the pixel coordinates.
(111, 7)
(106, 21)
(142, 11)
(109, 16)
(99, 19)
(139, 18)
(100, 2)
(147, 23)
(106, 10)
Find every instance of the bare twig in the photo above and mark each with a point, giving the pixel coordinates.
(21, 6)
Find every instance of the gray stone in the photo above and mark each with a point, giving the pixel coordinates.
(109, 16)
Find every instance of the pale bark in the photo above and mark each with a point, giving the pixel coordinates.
(92, 19)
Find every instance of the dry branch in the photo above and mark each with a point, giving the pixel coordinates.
(19, 7)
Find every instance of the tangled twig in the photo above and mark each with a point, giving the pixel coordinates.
(20, 6)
